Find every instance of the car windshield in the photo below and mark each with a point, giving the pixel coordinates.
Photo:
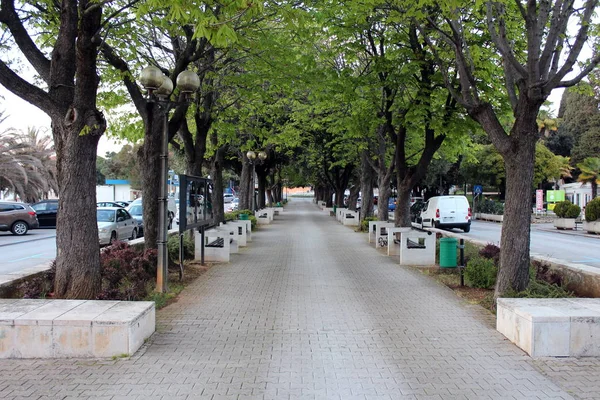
(135, 210)
(105, 216)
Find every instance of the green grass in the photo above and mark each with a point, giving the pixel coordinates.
(162, 299)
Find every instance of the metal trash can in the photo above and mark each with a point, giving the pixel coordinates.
(448, 252)
(243, 217)
(334, 209)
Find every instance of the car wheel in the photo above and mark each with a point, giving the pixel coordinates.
(113, 238)
(467, 228)
(19, 228)
(133, 234)
(436, 224)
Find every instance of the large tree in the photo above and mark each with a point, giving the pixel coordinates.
(65, 65)
(536, 47)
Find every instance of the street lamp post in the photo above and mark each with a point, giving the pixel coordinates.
(159, 88)
(252, 155)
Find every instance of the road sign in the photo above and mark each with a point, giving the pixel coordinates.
(478, 189)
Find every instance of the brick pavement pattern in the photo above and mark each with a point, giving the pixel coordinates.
(310, 311)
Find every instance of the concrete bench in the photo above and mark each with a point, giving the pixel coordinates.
(393, 240)
(234, 245)
(248, 224)
(212, 254)
(264, 217)
(322, 204)
(328, 210)
(551, 327)
(35, 328)
(417, 248)
(277, 210)
(339, 214)
(239, 230)
(350, 218)
(381, 233)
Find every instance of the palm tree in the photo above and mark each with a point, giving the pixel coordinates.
(590, 172)
(27, 165)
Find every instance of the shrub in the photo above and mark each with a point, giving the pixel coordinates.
(592, 210)
(126, 272)
(491, 207)
(491, 252)
(173, 248)
(364, 224)
(232, 216)
(40, 286)
(566, 209)
(481, 273)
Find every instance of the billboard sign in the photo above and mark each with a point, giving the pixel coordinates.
(539, 200)
(195, 202)
(554, 196)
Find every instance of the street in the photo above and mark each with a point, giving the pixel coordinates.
(572, 246)
(19, 253)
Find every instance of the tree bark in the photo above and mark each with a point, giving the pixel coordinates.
(216, 173)
(353, 197)
(402, 213)
(245, 184)
(149, 156)
(367, 181)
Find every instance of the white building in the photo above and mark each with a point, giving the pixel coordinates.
(578, 193)
(116, 190)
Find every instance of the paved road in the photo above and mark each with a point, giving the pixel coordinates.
(22, 252)
(311, 311)
(572, 246)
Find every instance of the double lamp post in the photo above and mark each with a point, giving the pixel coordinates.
(160, 87)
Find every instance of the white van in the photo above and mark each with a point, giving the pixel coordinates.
(447, 212)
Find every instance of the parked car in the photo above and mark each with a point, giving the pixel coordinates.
(171, 205)
(123, 203)
(109, 204)
(18, 218)
(415, 211)
(392, 204)
(236, 203)
(46, 211)
(447, 212)
(228, 198)
(115, 223)
(136, 212)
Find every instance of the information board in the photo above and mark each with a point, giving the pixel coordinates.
(195, 202)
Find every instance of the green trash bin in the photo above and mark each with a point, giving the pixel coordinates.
(334, 209)
(243, 217)
(448, 252)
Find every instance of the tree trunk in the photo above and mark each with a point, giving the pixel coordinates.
(245, 184)
(78, 252)
(514, 248)
(402, 213)
(353, 197)
(216, 173)
(149, 157)
(262, 185)
(367, 180)
(384, 195)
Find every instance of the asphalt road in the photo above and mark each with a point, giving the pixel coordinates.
(18, 253)
(572, 246)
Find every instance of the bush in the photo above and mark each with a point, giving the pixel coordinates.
(491, 207)
(40, 286)
(232, 216)
(481, 273)
(364, 224)
(491, 252)
(566, 209)
(592, 210)
(173, 248)
(126, 273)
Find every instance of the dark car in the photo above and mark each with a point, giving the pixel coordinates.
(415, 210)
(46, 212)
(109, 204)
(17, 217)
(135, 209)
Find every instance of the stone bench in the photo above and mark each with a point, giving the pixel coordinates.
(35, 328)
(248, 224)
(213, 254)
(393, 240)
(350, 218)
(264, 217)
(417, 247)
(381, 233)
(240, 233)
(277, 210)
(567, 327)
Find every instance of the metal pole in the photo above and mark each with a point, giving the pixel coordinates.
(202, 247)
(462, 262)
(253, 194)
(163, 262)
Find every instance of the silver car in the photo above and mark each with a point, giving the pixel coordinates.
(115, 223)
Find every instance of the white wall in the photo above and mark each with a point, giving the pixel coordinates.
(123, 192)
(105, 193)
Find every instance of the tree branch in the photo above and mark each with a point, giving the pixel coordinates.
(25, 90)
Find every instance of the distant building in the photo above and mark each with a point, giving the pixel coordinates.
(116, 190)
(578, 193)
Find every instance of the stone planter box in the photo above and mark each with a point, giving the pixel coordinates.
(564, 223)
(592, 227)
(489, 217)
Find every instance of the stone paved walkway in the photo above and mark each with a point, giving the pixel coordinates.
(310, 311)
